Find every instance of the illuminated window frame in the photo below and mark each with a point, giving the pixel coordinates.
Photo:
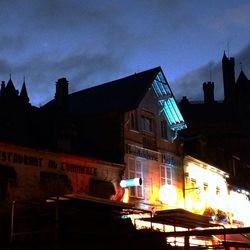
(167, 103)
(205, 186)
(217, 190)
(193, 183)
(135, 170)
(166, 175)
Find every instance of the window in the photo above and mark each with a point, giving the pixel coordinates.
(133, 121)
(217, 191)
(205, 187)
(135, 168)
(193, 183)
(147, 124)
(166, 175)
(164, 132)
(167, 104)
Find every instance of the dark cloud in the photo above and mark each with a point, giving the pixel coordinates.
(190, 84)
(83, 69)
(11, 44)
(243, 60)
(91, 42)
(70, 14)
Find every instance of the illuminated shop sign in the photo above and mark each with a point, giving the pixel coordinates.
(131, 182)
(141, 152)
(20, 159)
(30, 160)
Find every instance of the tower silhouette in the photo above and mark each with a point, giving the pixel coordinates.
(208, 89)
(228, 78)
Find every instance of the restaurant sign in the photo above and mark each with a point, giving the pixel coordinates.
(42, 162)
(141, 152)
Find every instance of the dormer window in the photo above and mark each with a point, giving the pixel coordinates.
(167, 106)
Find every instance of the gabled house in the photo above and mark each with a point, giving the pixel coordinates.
(133, 120)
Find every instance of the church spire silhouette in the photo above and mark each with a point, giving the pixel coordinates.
(23, 94)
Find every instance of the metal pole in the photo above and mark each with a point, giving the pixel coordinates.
(186, 243)
(12, 221)
(151, 224)
(57, 219)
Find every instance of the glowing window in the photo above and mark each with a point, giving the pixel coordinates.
(193, 183)
(205, 187)
(172, 112)
(217, 191)
(135, 169)
(166, 175)
(167, 103)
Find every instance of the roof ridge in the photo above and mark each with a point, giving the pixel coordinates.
(119, 79)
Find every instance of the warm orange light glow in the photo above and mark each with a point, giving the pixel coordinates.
(168, 195)
(125, 198)
(239, 207)
(205, 186)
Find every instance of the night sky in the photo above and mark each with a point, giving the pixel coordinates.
(92, 42)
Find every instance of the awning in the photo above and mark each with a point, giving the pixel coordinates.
(234, 240)
(103, 204)
(100, 188)
(7, 173)
(180, 218)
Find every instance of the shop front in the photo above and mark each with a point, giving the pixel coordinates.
(27, 173)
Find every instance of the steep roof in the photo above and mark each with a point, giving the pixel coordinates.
(10, 89)
(24, 94)
(242, 79)
(120, 95)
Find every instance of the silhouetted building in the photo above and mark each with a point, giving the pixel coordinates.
(208, 89)
(132, 121)
(17, 114)
(219, 133)
(228, 78)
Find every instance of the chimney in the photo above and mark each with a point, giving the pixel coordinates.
(61, 96)
(208, 89)
(2, 88)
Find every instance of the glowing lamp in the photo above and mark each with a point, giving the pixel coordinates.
(131, 182)
(168, 194)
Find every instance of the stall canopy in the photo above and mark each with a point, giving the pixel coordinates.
(180, 218)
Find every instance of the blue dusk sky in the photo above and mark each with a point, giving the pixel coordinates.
(92, 42)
